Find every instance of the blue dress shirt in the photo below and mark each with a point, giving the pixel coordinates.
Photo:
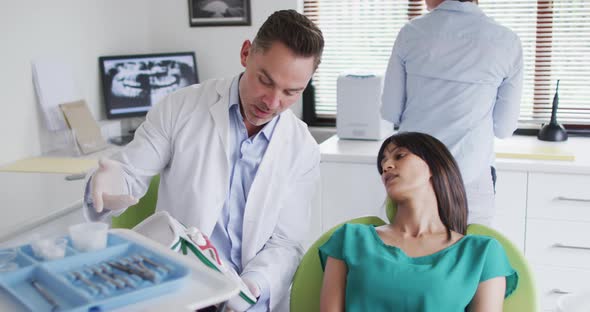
(456, 74)
(246, 153)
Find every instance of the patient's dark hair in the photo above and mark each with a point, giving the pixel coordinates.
(446, 177)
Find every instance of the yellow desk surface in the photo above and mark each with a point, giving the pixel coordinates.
(51, 165)
(534, 149)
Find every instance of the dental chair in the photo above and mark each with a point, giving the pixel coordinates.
(143, 209)
(307, 282)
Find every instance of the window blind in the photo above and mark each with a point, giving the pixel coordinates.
(555, 36)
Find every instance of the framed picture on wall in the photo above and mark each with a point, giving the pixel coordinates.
(219, 12)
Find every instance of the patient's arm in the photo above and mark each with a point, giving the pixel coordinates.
(489, 295)
(334, 286)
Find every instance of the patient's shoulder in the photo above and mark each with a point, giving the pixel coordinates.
(483, 244)
(354, 233)
(357, 228)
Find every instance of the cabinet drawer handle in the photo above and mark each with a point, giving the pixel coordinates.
(558, 291)
(583, 200)
(559, 245)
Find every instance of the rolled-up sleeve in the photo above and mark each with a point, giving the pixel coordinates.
(507, 106)
(393, 98)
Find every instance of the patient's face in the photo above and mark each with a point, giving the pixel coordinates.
(404, 173)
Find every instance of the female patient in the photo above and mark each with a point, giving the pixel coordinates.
(422, 261)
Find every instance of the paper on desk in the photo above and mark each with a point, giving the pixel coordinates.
(85, 128)
(534, 150)
(54, 84)
(52, 165)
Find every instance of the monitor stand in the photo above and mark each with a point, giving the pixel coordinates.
(128, 126)
(121, 140)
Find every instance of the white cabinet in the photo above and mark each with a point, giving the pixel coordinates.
(559, 196)
(562, 243)
(558, 233)
(349, 191)
(511, 201)
(33, 201)
(554, 281)
(56, 227)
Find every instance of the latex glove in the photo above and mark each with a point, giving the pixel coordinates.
(108, 187)
(237, 303)
(252, 286)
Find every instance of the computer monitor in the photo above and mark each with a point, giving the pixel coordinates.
(131, 84)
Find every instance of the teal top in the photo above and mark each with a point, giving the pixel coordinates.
(383, 278)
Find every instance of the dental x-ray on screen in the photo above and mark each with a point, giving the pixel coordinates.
(133, 83)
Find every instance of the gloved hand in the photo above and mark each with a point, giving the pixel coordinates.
(237, 303)
(108, 187)
(207, 250)
(252, 286)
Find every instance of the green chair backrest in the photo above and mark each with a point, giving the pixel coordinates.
(143, 209)
(524, 298)
(307, 282)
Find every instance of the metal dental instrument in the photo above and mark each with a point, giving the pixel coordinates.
(107, 270)
(139, 262)
(84, 280)
(132, 270)
(43, 292)
(107, 278)
(142, 268)
(153, 263)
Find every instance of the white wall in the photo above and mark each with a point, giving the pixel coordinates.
(79, 31)
(72, 30)
(217, 48)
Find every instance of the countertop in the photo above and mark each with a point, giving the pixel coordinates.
(509, 153)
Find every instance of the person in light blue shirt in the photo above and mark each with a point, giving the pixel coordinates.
(457, 74)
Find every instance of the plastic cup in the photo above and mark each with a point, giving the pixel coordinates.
(49, 248)
(89, 236)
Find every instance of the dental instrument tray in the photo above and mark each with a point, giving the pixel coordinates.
(124, 272)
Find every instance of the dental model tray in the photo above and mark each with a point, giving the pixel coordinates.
(124, 272)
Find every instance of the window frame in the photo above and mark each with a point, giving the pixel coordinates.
(542, 76)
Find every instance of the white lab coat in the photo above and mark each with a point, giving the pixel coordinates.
(185, 138)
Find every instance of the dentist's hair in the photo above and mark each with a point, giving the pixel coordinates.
(446, 177)
(295, 31)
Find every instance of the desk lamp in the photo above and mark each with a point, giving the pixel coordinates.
(553, 131)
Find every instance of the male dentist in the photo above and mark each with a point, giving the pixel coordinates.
(456, 74)
(234, 162)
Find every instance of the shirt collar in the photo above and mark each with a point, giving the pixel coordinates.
(234, 101)
(451, 5)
